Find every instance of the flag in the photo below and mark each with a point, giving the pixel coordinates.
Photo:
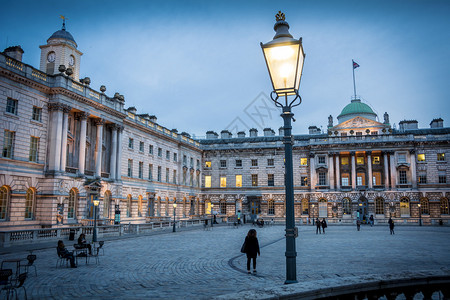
(355, 65)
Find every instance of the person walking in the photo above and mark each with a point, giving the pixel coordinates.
(251, 248)
(324, 225)
(391, 225)
(318, 225)
(358, 224)
(371, 220)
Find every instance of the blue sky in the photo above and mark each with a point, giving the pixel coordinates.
(198, 65)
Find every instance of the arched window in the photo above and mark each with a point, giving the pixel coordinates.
(4, 202)
(305, 207)
(323, 208)
(106, 204)
(129, 206)
(404, 207)
(424, 206)
(223, 206)
(30, 201)
(270, 207)
(140, 206)
(444, 206)
(346, 206)
(379, 206)
(73, 195)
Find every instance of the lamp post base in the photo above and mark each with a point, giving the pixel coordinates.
(290, 281)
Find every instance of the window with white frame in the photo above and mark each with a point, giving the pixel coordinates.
(223, 163)
(130, 143)
(12, 106)
(141, 170)
(402, 157)
(159, 152)
(130, 168)
(270, 162)
(403, 179)
(150, 172)
(159, 175)
(141, 146)
(8, 144)
(238, 163)
(254, 179)
(223, 207)
(34, 149)
(379, 206)
(37, 114)
(321, 159)
(168, 155)
(270, 207)
(322, 178)
(346, 206)
(150, 149)
(254, 162)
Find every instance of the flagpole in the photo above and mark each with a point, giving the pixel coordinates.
(354, 85)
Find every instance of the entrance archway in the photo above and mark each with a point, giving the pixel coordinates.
(363, 208)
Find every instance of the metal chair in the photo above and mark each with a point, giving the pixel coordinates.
(18, 284)
(61, 260)
(5, 280)
(101, 243)
(31, 258)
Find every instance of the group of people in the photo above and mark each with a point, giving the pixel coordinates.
(64, 253)
(320, 226)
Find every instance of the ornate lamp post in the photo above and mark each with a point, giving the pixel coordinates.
(284, 58)
(174, 215)
(94, 235)
(420, 215)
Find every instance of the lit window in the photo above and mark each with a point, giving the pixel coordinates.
(254, 162)
(223, 181)
(361, 179)
(376, 160)
(34, 149)
(421, 157)
(238, 163)
(360, 160)
(270, 162)
(305, 207)
(345, 179)
(207, 164)
(422, 178)
(223, 163)
(344, 160)
(11, 106)
(441, 157)
(130, 143)
(238, 180)
(254, 179)
(303, 161)
(207, 181)
(37, 114)
(304, 181)
(376, 178)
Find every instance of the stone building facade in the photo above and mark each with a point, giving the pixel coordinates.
(65, 144)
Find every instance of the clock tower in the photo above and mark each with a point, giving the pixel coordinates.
(61, 49)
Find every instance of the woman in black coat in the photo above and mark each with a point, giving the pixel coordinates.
(251, 248)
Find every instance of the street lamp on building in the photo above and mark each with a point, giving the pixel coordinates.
(420, 215)
(94, 234)
(284, 58)
(174, 215)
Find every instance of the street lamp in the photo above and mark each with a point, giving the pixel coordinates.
(420, 215)
(212, 215)
(174, 215)
(94, 235)
(284, 58)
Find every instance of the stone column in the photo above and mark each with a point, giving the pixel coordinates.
(66, 110)
(112, 166)
(386, 170)
(82, 148)
(369, 168)
(338, 171)
(312, 169)
(412, 157)
(353, 170)
(54, 154)
(331, 170)
(98, 148)
(393, 170)
(119, 153)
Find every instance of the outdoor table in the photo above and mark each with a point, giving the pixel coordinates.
(14, 261)
(78, 251)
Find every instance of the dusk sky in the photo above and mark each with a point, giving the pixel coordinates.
(198, 65)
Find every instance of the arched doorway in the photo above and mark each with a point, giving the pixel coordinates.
(363, 208)
(254, 205)
(404, 207)
(323, 208)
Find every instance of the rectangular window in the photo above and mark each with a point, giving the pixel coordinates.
(422, 178)
(34, 149)
(207, 164)
(159, 174)
(345, 179)
(198, 164)
(254, 162)
(150, 172)
(402, 158)
(421, 157)
(359, 135)
(270, 180)
(8, 145)
(130, 168)
(321, 159)
(208, 181)
(223, 181)
(141, 169)
(141, 146)
(238, 163)
(254, 179)
(360, 160)
(270, 162)
(238, 180)
(322, 178)
(160, 152)
(223, 163)
(37, 114)
(376, 177)
(376, 160)
(304, 181)
(167, 175)
(150, 149)
(174, 179)
(304, 161)
(402, 177)
(360, 179)
(11, 106)
(442, 177)
(374, 132)
(441, 157)
(175, 157)
(130, 143)
(192, 162)
(184, 160)
(344, 160)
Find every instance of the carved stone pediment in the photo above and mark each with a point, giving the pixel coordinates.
(358, 123)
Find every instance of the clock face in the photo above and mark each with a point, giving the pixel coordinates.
(71, 60)
(51, 57)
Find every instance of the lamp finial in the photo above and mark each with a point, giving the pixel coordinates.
(280, 16)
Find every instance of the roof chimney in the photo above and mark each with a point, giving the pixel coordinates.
(14, 52)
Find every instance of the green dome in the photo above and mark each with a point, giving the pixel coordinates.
(356, 107)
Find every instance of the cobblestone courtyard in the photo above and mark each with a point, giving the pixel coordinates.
(203, 264)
